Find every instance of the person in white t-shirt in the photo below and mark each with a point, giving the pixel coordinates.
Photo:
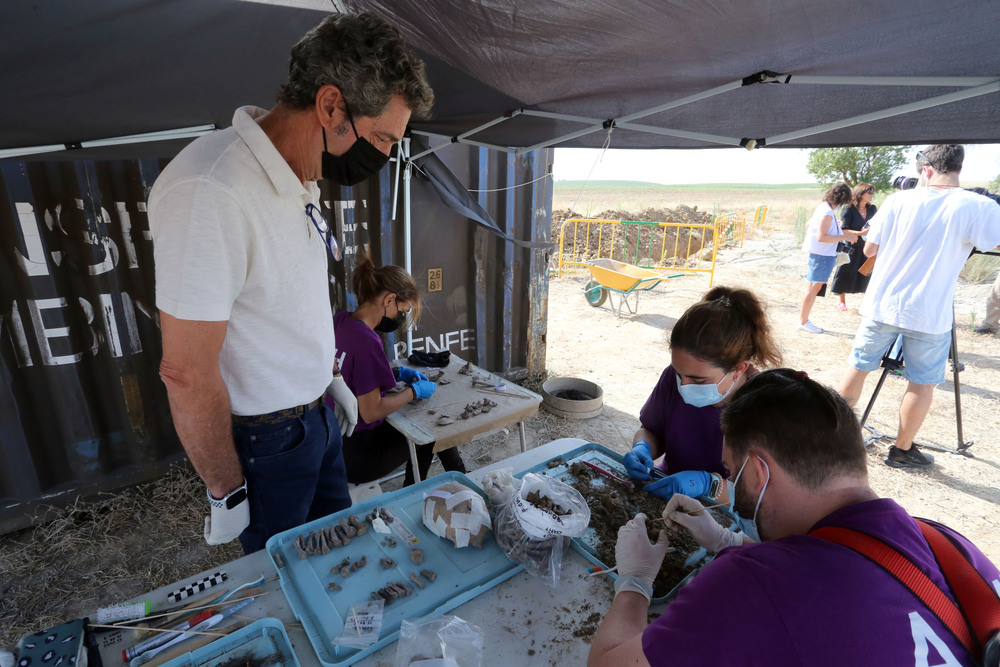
(822, 234)
(242, 285)
(923, 238)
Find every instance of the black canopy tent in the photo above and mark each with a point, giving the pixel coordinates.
(519, 74)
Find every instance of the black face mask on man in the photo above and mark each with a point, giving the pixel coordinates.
(359, 162)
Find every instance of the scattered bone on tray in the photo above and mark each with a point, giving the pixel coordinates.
(555, 463)
(388, 541)
(444, 420)
(391, 591)
(416, 579)
(387, 563)
(359, 563)
(417, 555)
(466, 369)
(334, 586)
(435, 376)
(429, 575)
(278, 561)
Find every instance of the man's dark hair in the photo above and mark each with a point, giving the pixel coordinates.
(808, 429)
(943, 157)
(363, 56)
(838, 195)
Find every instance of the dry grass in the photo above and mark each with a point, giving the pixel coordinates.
(107, 551)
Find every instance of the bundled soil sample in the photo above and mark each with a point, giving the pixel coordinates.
(612, 505)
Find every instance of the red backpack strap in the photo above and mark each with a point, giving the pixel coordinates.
(908, 574)
(977, 599)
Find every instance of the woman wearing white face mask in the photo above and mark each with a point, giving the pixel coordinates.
(713, 349)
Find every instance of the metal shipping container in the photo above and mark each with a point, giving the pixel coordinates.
(82, 408)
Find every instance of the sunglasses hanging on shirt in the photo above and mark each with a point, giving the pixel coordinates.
(328, 238)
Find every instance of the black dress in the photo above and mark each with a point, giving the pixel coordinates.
(847, 280)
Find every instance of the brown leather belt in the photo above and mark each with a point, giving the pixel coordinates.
(277, 416)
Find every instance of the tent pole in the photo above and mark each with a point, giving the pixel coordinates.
(914, 81)
(888, 113)
(404, 158)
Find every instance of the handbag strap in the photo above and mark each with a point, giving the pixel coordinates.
(918, 583)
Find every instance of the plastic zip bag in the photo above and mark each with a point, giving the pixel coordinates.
(535, 526)
(444, 641)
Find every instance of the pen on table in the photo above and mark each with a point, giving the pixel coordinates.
(163, 637)
(171, 652)
(205, 624)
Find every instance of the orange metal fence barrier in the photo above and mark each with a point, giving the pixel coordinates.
(660, 246)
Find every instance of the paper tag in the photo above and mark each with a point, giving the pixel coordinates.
(379, 526)
(402, 530)
(123, 612)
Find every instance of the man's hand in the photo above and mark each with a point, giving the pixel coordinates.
(407, 375)
(637, 559)
(691, 514)
(639, 461)
(692, 483)
(345, 405)
(225, 523)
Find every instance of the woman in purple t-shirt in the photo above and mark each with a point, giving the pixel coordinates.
(711, 350)
(388, 299)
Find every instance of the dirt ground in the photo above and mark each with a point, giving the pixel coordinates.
(152, 535)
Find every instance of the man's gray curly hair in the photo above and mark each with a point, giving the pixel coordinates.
(363, 56)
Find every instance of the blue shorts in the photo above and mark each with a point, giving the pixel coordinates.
(820, 267)
(924, 355)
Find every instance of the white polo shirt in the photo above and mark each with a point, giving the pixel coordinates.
(925, 236)
(232, 242)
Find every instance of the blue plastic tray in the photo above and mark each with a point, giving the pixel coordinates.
(612, 462)
(264, 641)
(462, 573)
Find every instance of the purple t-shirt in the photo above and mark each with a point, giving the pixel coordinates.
(803, 600)
(362, 361)
(691, 437)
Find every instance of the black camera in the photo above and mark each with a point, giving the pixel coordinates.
(905, 182)
(844, 246)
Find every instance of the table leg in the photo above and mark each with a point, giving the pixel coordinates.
(413, 461)
(520, 432)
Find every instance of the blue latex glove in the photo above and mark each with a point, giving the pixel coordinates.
(404, 374)
(423, 388)
(639, 461)
(692, 483)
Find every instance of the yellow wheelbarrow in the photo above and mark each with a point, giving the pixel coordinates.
(609, 276)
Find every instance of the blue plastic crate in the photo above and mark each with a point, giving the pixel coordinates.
(611, 461)
(263, 641)
(462, 573)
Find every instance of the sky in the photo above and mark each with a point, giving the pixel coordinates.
(729, 165)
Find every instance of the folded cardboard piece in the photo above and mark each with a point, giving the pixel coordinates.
(866, 268)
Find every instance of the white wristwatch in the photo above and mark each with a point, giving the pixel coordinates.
(231, 499)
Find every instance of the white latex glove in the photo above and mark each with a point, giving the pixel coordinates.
(706, 531)
(225, 525)
(345, 405)
(637, 559)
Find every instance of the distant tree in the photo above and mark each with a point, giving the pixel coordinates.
(862, 164)
(994, 185)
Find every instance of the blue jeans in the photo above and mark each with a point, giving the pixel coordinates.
(295, 473)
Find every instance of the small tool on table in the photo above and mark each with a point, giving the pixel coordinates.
(608, 473)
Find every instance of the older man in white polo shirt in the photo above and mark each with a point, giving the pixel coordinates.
(242, 284)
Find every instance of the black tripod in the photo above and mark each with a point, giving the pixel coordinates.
(893, 360)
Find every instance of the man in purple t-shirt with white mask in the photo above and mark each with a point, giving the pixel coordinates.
(798, 463)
